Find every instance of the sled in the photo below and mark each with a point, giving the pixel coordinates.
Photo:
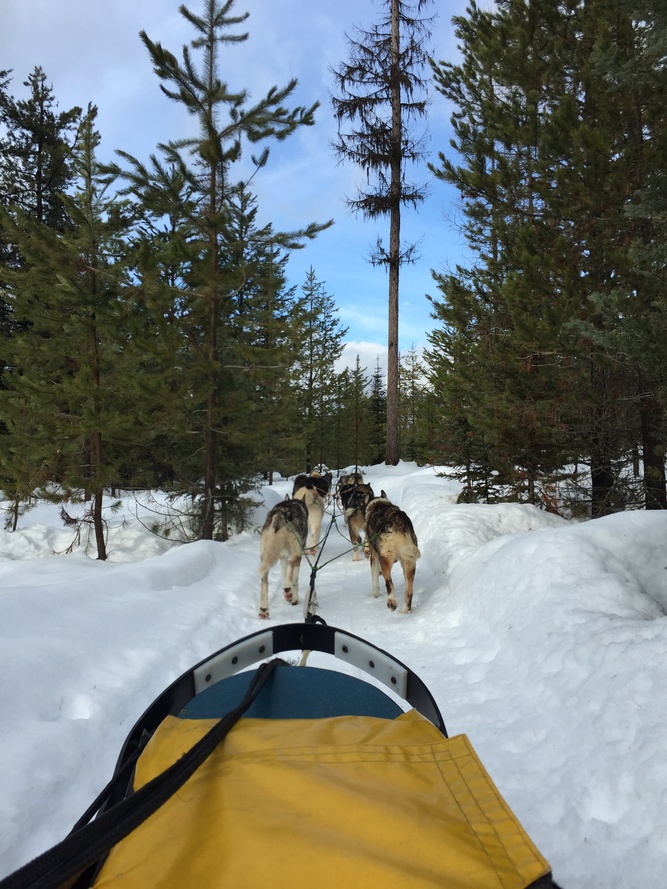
(288, 775)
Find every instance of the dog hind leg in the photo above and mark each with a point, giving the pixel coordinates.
(293, 569)
(385, 568)
(375, 574)
(286, 574)
(264, 596)
(409, 569)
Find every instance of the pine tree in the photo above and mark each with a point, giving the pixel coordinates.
(459, 385)
(35, 167)
(70, 403)
(318, 336)
(377, 416)
(226, 121)
(542, 124)
(629, 58)
(259, 412)
(351, 419)
(412, 402)
(506, 393)
(381, 92)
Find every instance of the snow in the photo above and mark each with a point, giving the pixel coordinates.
(545, 641)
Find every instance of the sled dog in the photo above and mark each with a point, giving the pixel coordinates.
(345, 484)
(321, 482)
(308, 494)
(391, 538)
(354, 512)
(283, 537)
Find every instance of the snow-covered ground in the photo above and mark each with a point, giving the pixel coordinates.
(544, 641)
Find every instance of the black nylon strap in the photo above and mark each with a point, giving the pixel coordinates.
(80, 849)
(120, 780)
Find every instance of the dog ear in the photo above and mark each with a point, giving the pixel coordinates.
(383, 495)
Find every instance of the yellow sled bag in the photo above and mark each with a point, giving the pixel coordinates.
(323, 782)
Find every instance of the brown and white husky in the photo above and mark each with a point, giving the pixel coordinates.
(391, 538)
(306, 489)
(283, 537)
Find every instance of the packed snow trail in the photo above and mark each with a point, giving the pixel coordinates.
(544, 641)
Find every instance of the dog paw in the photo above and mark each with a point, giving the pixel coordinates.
(264, 613)
(288, 593)
(391, 604)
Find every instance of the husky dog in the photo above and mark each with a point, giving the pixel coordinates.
(306, 490)
(283, 537)
(346, 483)
(391, 538)
(322, 481)
(302, 480)
(355, 501)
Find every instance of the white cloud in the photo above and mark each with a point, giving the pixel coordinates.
(369, 354)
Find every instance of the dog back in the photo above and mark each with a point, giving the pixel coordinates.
(309, 495)
(289, 513)
(386, 521)
(358, 498)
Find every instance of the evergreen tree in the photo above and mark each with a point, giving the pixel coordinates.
(381, 94)
(629, 57)
(35, 166)
(352, 418)
(259, 412)
(160, 255)
(226, 119)
(458, 390)
(412, 377)
(70, 405)
(318, 338)
(542, 125)
(338, 455)
(378, 416)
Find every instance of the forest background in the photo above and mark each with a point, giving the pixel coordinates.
(150, 338)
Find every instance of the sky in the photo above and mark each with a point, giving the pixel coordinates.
(541, 639)
(91, 52)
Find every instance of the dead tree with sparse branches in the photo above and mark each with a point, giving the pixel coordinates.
(380, 94)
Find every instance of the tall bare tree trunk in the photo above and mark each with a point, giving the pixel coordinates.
(392, 452)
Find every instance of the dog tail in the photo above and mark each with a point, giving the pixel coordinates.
(277, 522)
